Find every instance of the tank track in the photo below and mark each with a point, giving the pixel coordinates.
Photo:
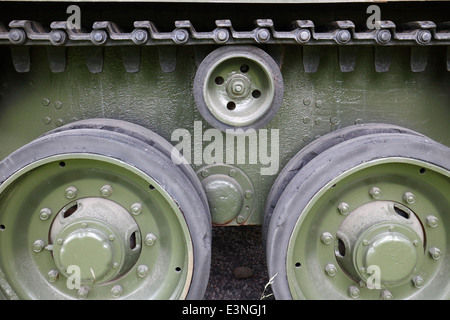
(419, 35)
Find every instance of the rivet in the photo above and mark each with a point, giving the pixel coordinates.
(375, 192)
(343, 36)
(52, 275)
(139, 36)
(142, 271)
(343, 208)
(45, 101)
(136, 208)
(46, 120)
(205, 173)
(384, 36)
(116, 291)
(45, 214)
(386, 295)
(106, 190)
(303, 35)
(150, 239)
(38, 245)
(59, 122)
(365, 242)
(58, 104)
(83, 292)
(353, 292)
(115, 265)
(232, 172)
(326, 237)
(334, 120)
(391, 228)
(435, 253)
(415, 243)
(424, 36)
(84, 225)
(409, 197)
(432, 221)
(306, 102)
(240, 219)
(248, 194)
(418, 281)
(111, 237)
(71, 192)
(222, 35)
(330, 269)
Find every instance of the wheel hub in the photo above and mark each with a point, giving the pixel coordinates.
(98, 237)
(381, 241)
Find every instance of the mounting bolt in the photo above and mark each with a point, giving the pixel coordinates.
(375, 192)
(326, 237)
(83, 292)
(58, 37)
(262, 35)
(330, 269)
(142, 271)
(303, 35)
(222, 35)
(45, 214)
(52, 275)
(353, 292)
(343, 36)
(38, 245)
(423, 36)
(139, 36)
(432, 221)
(386, 295)
(435, 253)
(106, 190)
(116, 291)
(409, 197)
(71, 192)
(343, 208)
(150, 239)
(136, 208)
(418, 281)
(383, 36)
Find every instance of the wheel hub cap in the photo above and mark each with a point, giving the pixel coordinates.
(382, 239)
(98, 237)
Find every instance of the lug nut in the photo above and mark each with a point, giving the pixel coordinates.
(52, 275)
(330, 269)
(142, 271)
(418, 281)
(150, 239)
(343, 208)
(45, 214)
(435, 253)
(106, 190)
(432, 221)
(326, 237)
(71, 192)
(83, 292)
(116, 291)
(409, 197)
(353, 292)
(386, 295)
(136, 208)
(375, 192)
(38, 245)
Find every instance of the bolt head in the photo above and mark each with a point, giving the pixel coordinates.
(45, 214)
(353, 292)
(106, 190)
(326, 237)
(150, 239)
(409, 197)
(83, 292)
(343, 208)
(330, 269)
(418, 281)
(432, 221)
(38, 245)
(116, 291)
(52, 275)
(386, 295)
(375, 192)
(136, 208)
(71, 192)
(142, 271)
(435, 253)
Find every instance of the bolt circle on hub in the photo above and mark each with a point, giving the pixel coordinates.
(384, 246)
(95, 237)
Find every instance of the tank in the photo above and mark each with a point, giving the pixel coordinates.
(130, 129)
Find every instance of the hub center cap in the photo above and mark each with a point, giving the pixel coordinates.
(95, 237)
(380, 240)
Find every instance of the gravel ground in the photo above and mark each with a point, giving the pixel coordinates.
(237, 247)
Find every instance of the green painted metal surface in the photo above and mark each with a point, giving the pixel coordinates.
(314, 104)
